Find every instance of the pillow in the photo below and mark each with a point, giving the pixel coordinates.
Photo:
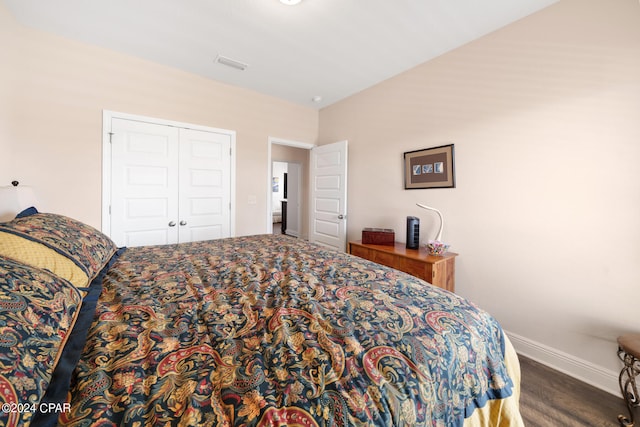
(37, 312)
(38, 255)
(61, 380)
(86, 247)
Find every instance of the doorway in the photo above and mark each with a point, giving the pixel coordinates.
(324, 203)
(287, 203)
(292, 156)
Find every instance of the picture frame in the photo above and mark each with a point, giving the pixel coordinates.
(430, 168)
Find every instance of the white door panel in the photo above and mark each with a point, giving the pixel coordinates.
(329, 195)
(205, 171)
(327, 206)
(148, 237)
(194, 234)
(144, 178)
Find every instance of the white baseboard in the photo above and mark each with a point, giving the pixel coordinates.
(583, 370)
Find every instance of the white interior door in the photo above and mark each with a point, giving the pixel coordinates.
(328, 213)
(144, 183)
(205, 171)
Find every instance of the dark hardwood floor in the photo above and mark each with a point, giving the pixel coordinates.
(551, 398)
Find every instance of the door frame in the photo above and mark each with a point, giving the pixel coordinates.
(278, 141)
(108, 115)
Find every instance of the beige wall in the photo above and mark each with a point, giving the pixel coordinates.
(545, 118)
(57, 119)
(8, 89)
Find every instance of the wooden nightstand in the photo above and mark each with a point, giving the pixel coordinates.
(437, 270)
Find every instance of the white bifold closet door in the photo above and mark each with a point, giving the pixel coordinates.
(168, 184)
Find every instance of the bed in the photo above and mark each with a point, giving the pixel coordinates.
(263, 330)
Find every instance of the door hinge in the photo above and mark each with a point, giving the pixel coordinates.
(110, 137)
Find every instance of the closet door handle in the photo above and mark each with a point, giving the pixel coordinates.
(172, 224)
(183, 222)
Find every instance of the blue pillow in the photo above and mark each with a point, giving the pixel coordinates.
(57, 391)
(27, 212)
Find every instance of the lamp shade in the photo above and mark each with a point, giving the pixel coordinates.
(15, 199)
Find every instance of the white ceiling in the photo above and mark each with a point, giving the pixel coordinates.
(327, 48)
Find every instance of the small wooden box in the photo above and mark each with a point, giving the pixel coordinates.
(378, 236)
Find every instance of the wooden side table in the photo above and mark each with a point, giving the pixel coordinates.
(437, 270)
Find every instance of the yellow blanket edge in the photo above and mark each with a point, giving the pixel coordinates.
(502, 412)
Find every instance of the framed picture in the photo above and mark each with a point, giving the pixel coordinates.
(429, 168)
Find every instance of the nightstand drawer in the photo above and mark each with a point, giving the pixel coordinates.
(360, 251)
(417, 268)
(437, 270)
(390, 260)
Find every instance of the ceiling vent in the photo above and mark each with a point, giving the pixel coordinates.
(231, 63)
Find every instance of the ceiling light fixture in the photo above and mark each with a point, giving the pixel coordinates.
(290, 2)
(316, 98)
(231, 63)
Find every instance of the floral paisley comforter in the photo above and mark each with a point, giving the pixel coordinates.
(272, 331)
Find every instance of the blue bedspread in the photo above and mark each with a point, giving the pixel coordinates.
(271, 330)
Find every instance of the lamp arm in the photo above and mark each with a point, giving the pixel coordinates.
(439, 235)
